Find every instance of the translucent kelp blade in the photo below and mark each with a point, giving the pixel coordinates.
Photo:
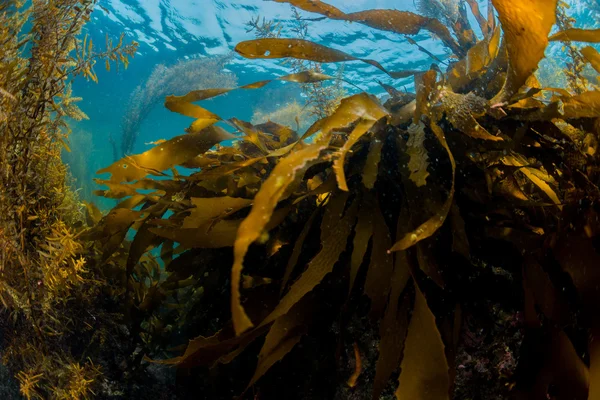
(592, 56)
(478, 58)
(166, 155)
(585, 105)
(284, 334)
(428, 228)
(526, 25)
(267, 198)
(300, 49)
(424, 374)
(402, 22)
(577, 35)
(335, 232)
(338, 164)
(350, 110)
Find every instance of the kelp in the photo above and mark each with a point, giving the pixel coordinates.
(577, 35)
(526, 26)
(387, 214)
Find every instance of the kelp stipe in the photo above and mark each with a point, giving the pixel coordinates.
(49, 287)
(479, 189)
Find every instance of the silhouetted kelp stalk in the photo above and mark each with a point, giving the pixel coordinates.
(48, 289)
(399, 202)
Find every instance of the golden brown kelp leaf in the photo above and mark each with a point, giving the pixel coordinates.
(297, 250)
(93, 215)
(428, 264)
(166, 155)
(578, 257)
(563, 372)
(460, 240)
(406, 23)
(300, 49)
(205, 94)
(428, 228)
(425, 87)
(350, 110)
(549, 298)
(111, 230)
(539, 178)
(211, 234)
(478, 58)
(361, 129)
(213, 209)
(362, 235)
(526, 25)
(381, 266)
(592, 56)
(208, 351)
(585, 105)
(284, 334)
(402, 22)
(315, 6)
(371, 169)
(594, 350)
(577, 35)
(351, 382)
(419, 160)
(424, 373)
(335, 232)
(251, 229)
(393, 327)
(204, 118)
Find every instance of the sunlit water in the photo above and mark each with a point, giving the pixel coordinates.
(172, 30)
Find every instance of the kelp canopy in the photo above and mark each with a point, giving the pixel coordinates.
(481, 187)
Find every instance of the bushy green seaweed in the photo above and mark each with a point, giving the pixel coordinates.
(51, 318)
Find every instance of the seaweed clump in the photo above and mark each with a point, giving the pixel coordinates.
(406, 219)
(48, 286)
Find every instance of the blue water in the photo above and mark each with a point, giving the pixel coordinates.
(172, 30)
